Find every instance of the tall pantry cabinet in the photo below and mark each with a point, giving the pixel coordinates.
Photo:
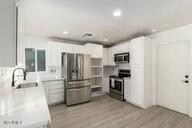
(139, 90)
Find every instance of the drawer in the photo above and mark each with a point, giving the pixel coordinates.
(56, 86)
(56, 82)
(57, 98)
(56, 91)
(78, 95)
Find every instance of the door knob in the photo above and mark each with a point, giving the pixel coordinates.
(185, 81)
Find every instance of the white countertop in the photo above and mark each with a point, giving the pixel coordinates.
(52, 79)
(28, 105)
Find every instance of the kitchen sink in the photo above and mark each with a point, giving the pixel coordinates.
(27, 85)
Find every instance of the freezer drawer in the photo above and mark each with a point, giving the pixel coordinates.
(77, 84)
(78, 95)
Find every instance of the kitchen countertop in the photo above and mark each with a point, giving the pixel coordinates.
(52, 79)
(23, 108)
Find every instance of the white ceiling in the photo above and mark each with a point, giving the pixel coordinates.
(52, 17)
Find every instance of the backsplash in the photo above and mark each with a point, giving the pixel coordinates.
(6, 75)
(113, 70)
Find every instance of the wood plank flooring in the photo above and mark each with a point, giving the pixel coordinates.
(106, 112)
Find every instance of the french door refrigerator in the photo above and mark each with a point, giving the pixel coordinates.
(76, 69)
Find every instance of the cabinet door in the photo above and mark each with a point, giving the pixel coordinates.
(98, 51)
(124, 47)
(55, 51)
(56, 98)
(137, 74)
(137, 51)
(95, 50)
(105, 56)
(78, 49)
(7, 33)
(55, 57)
(54, 91)
(127, 89)
(111, 52)
(137, 85)
(106, 84)
(136, 95)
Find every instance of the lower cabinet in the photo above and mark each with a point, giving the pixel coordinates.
(127, 89)
(106, 84)
(55, 98)
(133, 93)
(54, 92)
(138, 89)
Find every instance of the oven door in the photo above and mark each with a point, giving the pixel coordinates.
(116, 86)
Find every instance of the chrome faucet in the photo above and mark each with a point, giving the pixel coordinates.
(13, 75)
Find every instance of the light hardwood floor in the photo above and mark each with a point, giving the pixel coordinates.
(106, 112)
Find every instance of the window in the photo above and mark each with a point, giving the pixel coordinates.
(41, 64)
(30, 59)
(35, 59)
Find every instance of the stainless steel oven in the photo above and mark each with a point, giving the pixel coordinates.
(121, 58)
(117, 88)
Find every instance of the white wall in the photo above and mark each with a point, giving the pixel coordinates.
(173, 35)
(7, 33)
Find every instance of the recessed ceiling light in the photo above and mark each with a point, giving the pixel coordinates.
(154, 30)
(65, 32)
(117, 13)
(105, 40)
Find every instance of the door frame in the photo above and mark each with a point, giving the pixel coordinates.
(155, 72)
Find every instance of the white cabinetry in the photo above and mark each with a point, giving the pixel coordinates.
(7, 33)
(95, 50)
(120, 48)
(137, 51)
(78, 49)
(54, 92)
(111, 52)
(106, 84)
(139, 91)
(55, 50)
(105, 56)
(108, 56)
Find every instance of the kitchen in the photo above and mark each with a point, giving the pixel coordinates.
(48, 77)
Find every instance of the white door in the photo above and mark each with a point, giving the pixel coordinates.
(173, 66)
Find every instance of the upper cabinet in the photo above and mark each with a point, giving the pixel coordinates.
(7, 33)
(105, 56)
(120, 48)
(111, 53)
(55, 50)
(137, 51)
(95, 50)
(78, 49)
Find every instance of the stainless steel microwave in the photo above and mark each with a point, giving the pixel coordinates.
(121, 58)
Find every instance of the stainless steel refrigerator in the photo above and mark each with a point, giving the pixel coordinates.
(76, 69)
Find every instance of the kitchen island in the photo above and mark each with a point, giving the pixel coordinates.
(24, 108)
